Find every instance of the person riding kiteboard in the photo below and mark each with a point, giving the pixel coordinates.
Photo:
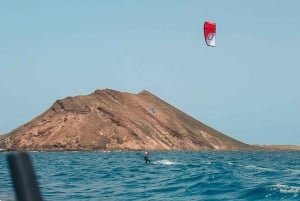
(146, 157)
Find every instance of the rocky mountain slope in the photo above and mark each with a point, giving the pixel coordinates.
(113, 120)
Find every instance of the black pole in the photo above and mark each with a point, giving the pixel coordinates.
(24, 179)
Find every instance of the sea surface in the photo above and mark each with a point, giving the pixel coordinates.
(203, 175)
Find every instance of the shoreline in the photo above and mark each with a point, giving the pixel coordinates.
(254, 148)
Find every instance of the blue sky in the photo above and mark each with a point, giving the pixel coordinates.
(246, 87)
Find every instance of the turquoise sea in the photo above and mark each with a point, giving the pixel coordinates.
(203, 175)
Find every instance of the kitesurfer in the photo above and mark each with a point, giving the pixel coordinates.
(146, 157)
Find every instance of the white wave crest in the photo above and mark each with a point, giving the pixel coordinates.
(254, 167)
(286, 189)
(165, 162)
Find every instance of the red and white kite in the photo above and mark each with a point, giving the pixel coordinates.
(210, 33)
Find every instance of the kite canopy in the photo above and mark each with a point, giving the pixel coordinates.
(210, 33)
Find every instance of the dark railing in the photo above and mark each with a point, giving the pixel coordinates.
(23, 176)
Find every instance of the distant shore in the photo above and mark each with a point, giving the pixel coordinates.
(254, 148)
(279, 147)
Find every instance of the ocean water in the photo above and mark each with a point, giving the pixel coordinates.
(204, 175)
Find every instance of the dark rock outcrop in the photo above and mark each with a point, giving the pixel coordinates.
(113, 120)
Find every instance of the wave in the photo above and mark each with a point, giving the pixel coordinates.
(285, 188)
(294, 172)
(165, 162)
(254, 167)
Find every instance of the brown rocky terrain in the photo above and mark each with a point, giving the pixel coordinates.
(113, 120)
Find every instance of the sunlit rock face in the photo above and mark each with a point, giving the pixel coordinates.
(113, 120)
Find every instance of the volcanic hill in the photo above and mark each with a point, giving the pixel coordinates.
(113, 120)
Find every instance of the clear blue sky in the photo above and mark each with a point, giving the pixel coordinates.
(247, 87)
